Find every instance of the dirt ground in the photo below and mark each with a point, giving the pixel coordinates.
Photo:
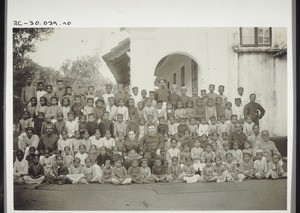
(248, 195)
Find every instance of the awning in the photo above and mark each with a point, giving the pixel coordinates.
(118, 61)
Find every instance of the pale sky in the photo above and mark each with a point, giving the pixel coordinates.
(72, 43)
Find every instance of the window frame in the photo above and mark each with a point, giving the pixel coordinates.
(256, 44)
(182, 72)
(194, 74)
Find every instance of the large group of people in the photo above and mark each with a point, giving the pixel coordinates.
(79, 135)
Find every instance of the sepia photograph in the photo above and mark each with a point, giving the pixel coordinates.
(131, 118)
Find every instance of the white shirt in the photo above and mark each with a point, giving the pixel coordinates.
(171, 153)
(239, 111)
(71, 127)
(106, 96)
(21, 167)
(123, 110)
(97, 142)
(109, 144)
(112, 112)
(39, 94)
(61, 143)
(203, 129)
(196, 153)
(136, 99)
(173, 128)
(82, 157)
(261, 165)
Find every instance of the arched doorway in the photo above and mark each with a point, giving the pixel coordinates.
(178, 69)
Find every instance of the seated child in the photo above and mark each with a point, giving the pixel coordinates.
(60, 124)
(213, 126)
(76, 141)
(162, 127)
(158, 171)
(275, 169)
(246, 167)
(82, 124)
(186, 139)
(231, 167)
(193, 127)
(196, 153)
(82, 155)
(119, 126)
(103, 157)
(91, 125)
(260, 165)
(188, 172)
(203, 127)
(71, 125)
(76, 172)
(146, 172)
(185, 153)
(58, 172)
(68, 158)
(119, 174)
(220, 171)
(223, 125)
(93, 154)
(248, 149)
(109, 143)
(92, 172)
(64, 141)
(182, 127)
(173, 151)
(35, 172)
(20, 167)
(236, 153)
(96, 139)
(47, 161)
(135, 172)
(215, 138)
(174, 171)
(208, 173)
(86, 140)
(248, 126)
(30, 156)
(172, 126)
(106, 172)
(208, 153)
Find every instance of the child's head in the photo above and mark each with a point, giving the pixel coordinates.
(41, 115)
(151, 95)
(221, 89)
(238, 128)
(235, 145)
(135, 90)
(60, 84)
(82, 119)
(144, 93)
(121, 102)
(77, 134)
(181, 120)
(159, 104)
(107, 134)
(31, 150)
(77, 99)
(105, 116)
(208, 162)
(174, 160)
(213, 120)
(99, 102)
(208, 148)
(40, 86)
(144, 163)
(174, 88)
(118, 162)
(97, 134)
(174, 143)
(33, 101)
(215, 136)
(126, 89)
(247, 144)
(91, 90)
(107, 163)
(188, 161)
(192, 121)
(108, 88)
(26, 115)
(204, 138)
(43, 101)
(234, 119)
(226, 146)
(47, 153)
(218, 100)
(203, 93)
(49, 88)
(57, 152)
(90, 101)
(218, 161)
(86, 134)
(255, 129)
(111, 101)
(59, 116)
(29, 132)
(82, 148)
(88, 162)
(161, 119)
(240, 90)
(246, 156)
(211, 87)
(76, 162)
(120, 118)
(120, 136)
(228, 105)
(186, 148)
(224, 136)
(195, 91)
(93, 148)
(202, 121)
(19, 154)
(199, 102)
(71, 116)
(189, 104)
(157, 162)
(249, 119)
(210, 102)
(54, 101)
(214, 146)
(131, 135)
(222, 119)
(91, 117)
(179, 105)
(36, 159)
(229, 157)
(59, 160)
(238, 101)
(183, 90)
(69, 90)
(131, 102)
(148, 102)
(259, 154)
(102, 150)
(196, 143)
(67, 150)
(276, 157)
(150, 118)
(169, 106)
(140, 105)
(172, 120)
(135, 163)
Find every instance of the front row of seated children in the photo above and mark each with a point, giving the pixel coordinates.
(82, 169)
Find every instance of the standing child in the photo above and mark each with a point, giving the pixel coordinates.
(38, 122)
(232, 123)
(174, 171)
(275, 169)
(173, 151)
(96, 139)
(120, 144)
(140, 107)
(49, 94)
(203, 127)
(119, 125)
(82, 155)
(213, 126)
(35, 172)
(108, 94)
(71, 125)
(149, 110)
(109, 143)
(20, 167)
(169, 111)
(248, 126)
(223, 126)
(92, 125)
(77, 107)
(60, 124)
(182, 127)
(193, 127)
(210, 109)
(172, 126)
(93, 154)
(68, 158)
(132, 125)
(200, 108)
(221, 94)
(123, 110)
(76, 141)
(260, 165)
(248, 149)
(179, 111)
(99, 109)
(40, 92)
(190, 109)
(24, 122)
(119, 174)
(64, 141)
(106, 124)
(82, 124)
(238, 109)
(220, 108)
(228, 111)
(135, 95)
(89, 108)
(174, 98)
(135, 172)
(53, 109)
(69, 94)
(160, 111)
(31, 107)
(132, 110)
(111, 108)
(65, 108)
(162, 127)
(86, 140)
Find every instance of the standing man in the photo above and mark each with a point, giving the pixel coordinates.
(195, 96)
(28, 91)
(242, 96)
(221, 95)
(184, 97)
(60, 91)
(162, 93)
(253, 109)
(211, 93)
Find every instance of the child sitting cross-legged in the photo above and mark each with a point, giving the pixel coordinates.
(106, 172)
(146, 172)
(20, 167)
(135, 172)
(188, 172)
(246, 167)
(92, 172)
(275, 169)
(158, 171)
(35, 172)
(119, 174)
(208, 173)
(174, 171)
(260, 165)
(231, 167)
(58, 173)
(76, 172)
(221, 172)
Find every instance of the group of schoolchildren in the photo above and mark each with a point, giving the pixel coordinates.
(79, 135)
